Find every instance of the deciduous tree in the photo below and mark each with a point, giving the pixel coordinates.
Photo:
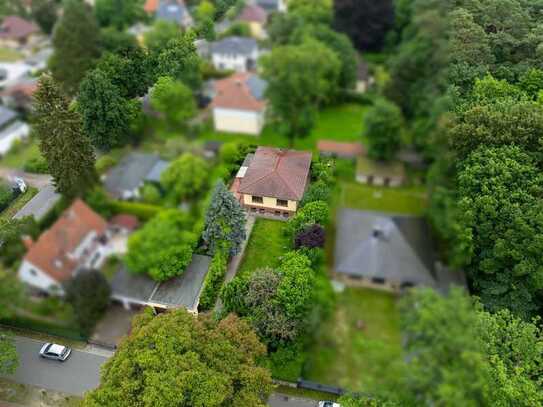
(118, 13)
(174, 100)
(186, 177)
(384, 124)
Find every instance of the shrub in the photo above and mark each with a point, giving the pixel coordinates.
(233, 296)
(6, 196)
(317, 191)
(140, 210)
(213, 281)
(98, 200)
(287, 361)
(311, 237)
(88, 293)
(150, 194)
(104, 163)
(37, 165)
(314, 212)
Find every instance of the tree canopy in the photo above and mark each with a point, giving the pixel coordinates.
(383, 124)
(174, 100)
(186, 177)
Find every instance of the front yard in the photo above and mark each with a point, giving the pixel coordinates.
(20, 153)
(358, 342)
(340, 123)
(9, 55)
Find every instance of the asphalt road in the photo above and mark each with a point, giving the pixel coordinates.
(35, 180)
(81, 372)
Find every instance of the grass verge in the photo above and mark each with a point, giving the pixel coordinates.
(18, 203)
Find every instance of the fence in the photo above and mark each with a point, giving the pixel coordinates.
(308, 385)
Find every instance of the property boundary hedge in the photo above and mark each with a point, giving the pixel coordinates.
(213, 281)
(44, 327)
(140, 210)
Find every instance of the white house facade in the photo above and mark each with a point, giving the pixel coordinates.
(238, 121)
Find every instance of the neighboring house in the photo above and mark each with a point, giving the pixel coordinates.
(16, 32)
(392, 252)
(174, 11)
(135, 291)
(125, 179)
(331, 148)
(239, 105)
(11, 129)
(19, 95)
(238, 54)
(275, 181)
(40, 204)
(79, 240)
(273, 5)
(256, 17)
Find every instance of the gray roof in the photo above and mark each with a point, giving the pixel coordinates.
(182, 291)
(156, 171)
(257, 86)
(6, 116)
(247, 160)
(130, 173)
(269, 5)
(40, 204)
(173, 11)
(10, 128)
(395, 248)
(234, 45)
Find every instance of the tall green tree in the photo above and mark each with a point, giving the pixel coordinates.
(59, 128)
(383, 123)
(176, 359)
(224, 222)
(161, 33)
(12, 232)
(300, 78)
(186, 177)
(107, 115)
(11, 296)
(76, 45)
(45, 12)
(312, 11)
(118, 13)
(174, 100)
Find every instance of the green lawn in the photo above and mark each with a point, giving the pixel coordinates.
(341, 123)
(20, 154)
(9, 55)
(405, 200)
(359, 341)
(18, 203)
(265, 246)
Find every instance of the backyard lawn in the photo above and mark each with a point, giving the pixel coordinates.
(357, 343)
(406, 200)
(265, 246)
(9, 55)
(20, 154)
(341, 123)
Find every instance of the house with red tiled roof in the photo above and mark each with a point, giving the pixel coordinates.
(274, 181)
(16, 31)
(238, 104)
(79, 240)
(256, 17)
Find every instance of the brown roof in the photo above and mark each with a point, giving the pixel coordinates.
(128, 222)
(254, 13)
(340, 149)
(151, 6)
(277, 173)
(50, 252)
(26, 89)
(234, 92)
(17, 28)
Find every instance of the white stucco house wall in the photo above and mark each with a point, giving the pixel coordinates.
(239, 105)
(11, 129)
(238, 54)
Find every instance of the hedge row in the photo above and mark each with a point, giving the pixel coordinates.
(44, 327)
(213, 281)
(142, 211)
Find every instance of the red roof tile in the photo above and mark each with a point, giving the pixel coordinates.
(51, 252)
(151, 6)
(234, 93)
(277, 173)
(128, 222)
(17, 28)
(254, 13)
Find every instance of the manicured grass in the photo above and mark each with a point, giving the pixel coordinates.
(406, 200)
(9, 55)
(340, 123)
(20, 154)
(265, 247)
(18, 203)
(360, 339)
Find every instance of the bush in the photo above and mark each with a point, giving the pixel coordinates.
(142, 211)
(213, 281)
(6, 196)
(286, 363)
(150, 194)
(233, 296)
(314, 212)
(88, 293)
(98, 200)
(311, 237)
(317, 191)
(104, 163)
(37, 165)
(45, 327)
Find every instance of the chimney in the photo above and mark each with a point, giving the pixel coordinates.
(28, 242)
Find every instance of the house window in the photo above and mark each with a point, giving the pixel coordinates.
(33, 272)
(282, 202)
(378, 280)
(257, 199)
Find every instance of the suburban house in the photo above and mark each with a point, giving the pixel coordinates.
(135, 291)
(274, 181)
(256, 17)
(79, 240)
(235, 53)
(174, 11)
(238, 104)
(16, 32)
(11, 129)
(19, 95)
(273, 5)
(125, 179)
(391, 252)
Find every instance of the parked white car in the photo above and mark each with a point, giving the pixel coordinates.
(328, 404)
(55, 352)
